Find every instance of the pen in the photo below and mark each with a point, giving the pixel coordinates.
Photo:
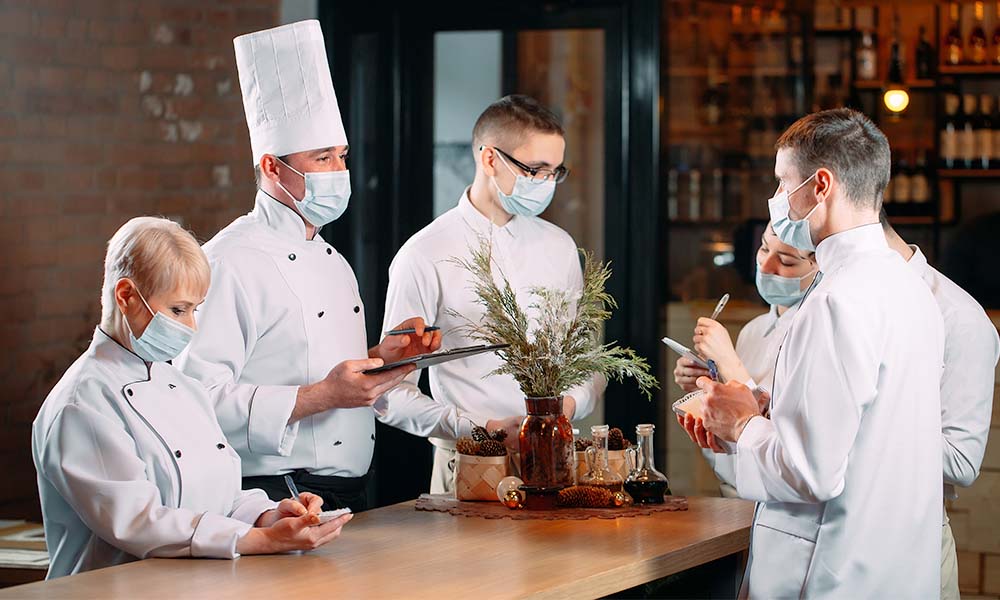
(410, 331)
(718, 307)
(291, 487)
(713, 372)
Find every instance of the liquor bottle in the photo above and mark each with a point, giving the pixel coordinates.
(902, 190)
(920, 189)
(984, 132)
(694, 198)
(672, 194)
(925, 56)
(995, 162)
(996, 37)
(967, 133)
(949, 132)
(977, 38)
(714, 207)
(953, 39)
(867, 58)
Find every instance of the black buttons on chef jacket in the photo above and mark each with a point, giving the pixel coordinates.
(373, 437)
(177, 453)
(220, 446)
(329, 250)
(357, 309)
(337, 443)
(321, 313)
(291, 256)
(171, 386)
(129, 392)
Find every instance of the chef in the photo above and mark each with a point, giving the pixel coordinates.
(519, 148)
(131, 461)
(783, 276)
(283, 346)
(848, 467)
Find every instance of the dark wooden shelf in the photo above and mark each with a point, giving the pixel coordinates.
(916, 84)
(911, 220)
(969, 173)
(958, 71)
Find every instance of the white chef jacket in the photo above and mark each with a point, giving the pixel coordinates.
(971, 350)
(757, 348)
(848, 467)
(132, 464)
(423, 281)
(281, 312)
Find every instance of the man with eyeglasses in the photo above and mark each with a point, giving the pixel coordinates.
(519, 147)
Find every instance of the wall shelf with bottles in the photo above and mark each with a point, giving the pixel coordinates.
(969, 173)
(970, 70)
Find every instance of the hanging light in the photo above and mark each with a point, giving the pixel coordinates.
(895, 97)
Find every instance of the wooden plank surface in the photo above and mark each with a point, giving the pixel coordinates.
(397, 551)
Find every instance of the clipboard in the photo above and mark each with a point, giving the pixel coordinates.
(686, 352)
(435, 358)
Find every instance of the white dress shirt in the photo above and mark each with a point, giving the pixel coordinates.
(848, 467)
(132, 464)
(281, 312)
(971, 350)
(423, 281)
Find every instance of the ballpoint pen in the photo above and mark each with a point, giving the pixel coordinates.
(291, 487)
(411, 331)
(721, 305)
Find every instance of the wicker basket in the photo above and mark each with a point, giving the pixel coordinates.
(476, 477)
(616, 462)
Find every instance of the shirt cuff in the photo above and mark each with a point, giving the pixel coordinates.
(748, 477)
(268, 431)
(215, 536)
(252, 506)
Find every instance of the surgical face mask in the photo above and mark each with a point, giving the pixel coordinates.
(526, 199)
(162, 340)
(794, 233)
(326, 197)
(783, 291)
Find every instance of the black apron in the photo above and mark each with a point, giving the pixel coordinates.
(337, 492)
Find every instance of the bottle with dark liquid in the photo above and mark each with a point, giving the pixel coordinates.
(977, 38)
(953, 39)
(644, 483)
(949, 132)
(598, 472)
(925, 56)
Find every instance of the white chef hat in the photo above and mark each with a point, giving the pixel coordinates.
(287, 90)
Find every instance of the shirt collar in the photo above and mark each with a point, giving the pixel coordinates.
(106, 349)
(480, 223)
(278, 217)
(918, 262)
(836, 250)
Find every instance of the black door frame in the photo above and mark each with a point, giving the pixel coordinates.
(401, 203)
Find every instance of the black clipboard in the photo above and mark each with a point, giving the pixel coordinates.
(436, 358)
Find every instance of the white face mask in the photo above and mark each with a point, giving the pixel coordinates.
(794, 233)
(526, 199)
(162, 340)
(326, 197)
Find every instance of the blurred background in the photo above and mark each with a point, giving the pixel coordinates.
(112, 109)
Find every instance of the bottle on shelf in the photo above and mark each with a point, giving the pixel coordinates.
(995, 56)
(694, 195)
(920, 189)
(949, 132)
(672, 194)
(984, 132)
(967, 133)
(717, 194)
(902, 191)
(924, 63)
(977, 38)
(867, 57)
(953, 39)
(995, 161)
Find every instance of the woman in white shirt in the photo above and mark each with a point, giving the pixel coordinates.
(783, 276)
(131, 460)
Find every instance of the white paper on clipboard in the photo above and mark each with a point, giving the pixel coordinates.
(685, 352)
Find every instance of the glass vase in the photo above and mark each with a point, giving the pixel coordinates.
(546, 444)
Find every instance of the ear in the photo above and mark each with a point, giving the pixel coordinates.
(823, 185)
(269, 166)
(487, 160)
(124, 294)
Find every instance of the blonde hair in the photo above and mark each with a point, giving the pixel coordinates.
(157, 255)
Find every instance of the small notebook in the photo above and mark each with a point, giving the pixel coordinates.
(685, 352)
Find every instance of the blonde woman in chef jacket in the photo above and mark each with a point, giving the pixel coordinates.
(131, 461)
(783, 276)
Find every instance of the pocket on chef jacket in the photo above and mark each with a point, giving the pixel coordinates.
(783, 547)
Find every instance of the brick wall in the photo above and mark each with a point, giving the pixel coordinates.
(109, 109)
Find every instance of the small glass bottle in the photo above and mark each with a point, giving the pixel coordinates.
(644, 483)
(598, 473)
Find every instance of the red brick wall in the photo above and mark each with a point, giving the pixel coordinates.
(108, 109)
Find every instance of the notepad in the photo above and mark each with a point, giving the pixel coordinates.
(685, 352)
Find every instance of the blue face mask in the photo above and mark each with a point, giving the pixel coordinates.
(783, 291)
(527, 199)
(794, 233)
(326, 198)
(162, 340)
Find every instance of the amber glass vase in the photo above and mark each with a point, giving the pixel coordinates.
(546, 442)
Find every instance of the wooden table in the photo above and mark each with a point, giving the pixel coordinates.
(397, 552)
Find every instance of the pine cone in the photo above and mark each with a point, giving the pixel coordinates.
(480, 434)
(499, 434)
(492, 448)
(584, 496)
(582, 444)
(616, 439)
(467, 445)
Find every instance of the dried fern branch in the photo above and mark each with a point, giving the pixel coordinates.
(562, 348)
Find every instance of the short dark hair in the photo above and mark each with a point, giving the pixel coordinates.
(506, 121)
(849, 144)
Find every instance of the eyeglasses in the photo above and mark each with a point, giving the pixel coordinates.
(558, 175)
